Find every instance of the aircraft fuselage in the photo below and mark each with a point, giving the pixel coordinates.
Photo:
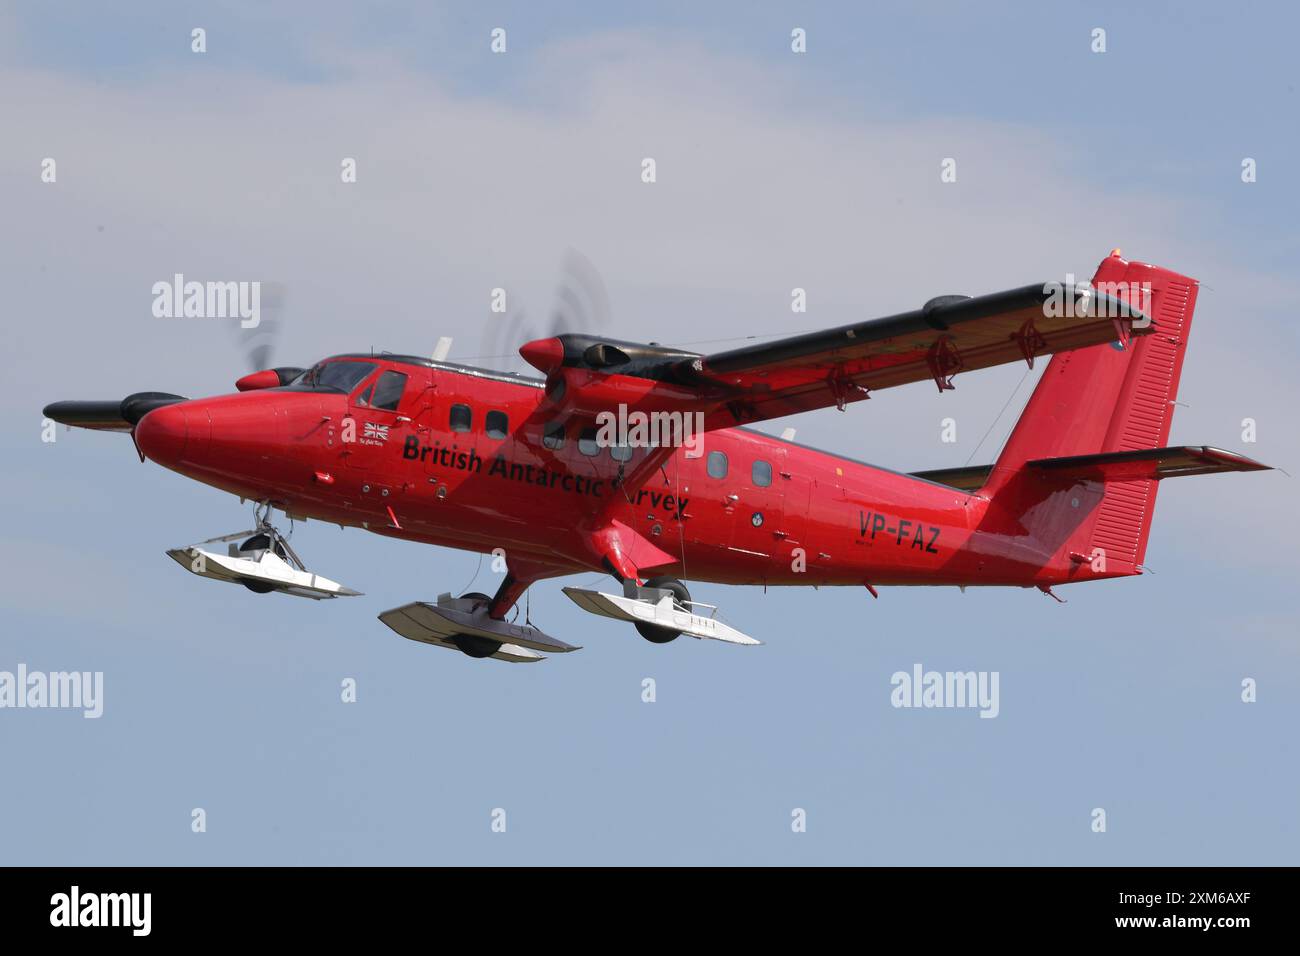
(461, 462)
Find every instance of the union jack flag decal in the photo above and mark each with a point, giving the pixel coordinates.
(379, 432)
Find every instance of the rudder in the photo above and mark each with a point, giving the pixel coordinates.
(1101, 399)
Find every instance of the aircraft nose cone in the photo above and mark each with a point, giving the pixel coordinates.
(161, 435)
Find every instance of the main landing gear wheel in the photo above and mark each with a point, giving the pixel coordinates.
(652, 632)
(261, 542)
(472, 645)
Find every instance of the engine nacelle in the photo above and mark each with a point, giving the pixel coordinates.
(268, 378)
(636, 359)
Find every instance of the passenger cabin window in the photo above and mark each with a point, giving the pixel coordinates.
(498, 426)
(461, 418)
(717, 465)
(553, 435)
(388, 391)
(762, 473)
(620, 452)
(587, 443)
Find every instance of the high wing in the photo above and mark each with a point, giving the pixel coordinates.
(950, 334)
(587, 375)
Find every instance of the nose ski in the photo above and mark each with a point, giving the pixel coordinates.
(264, 563)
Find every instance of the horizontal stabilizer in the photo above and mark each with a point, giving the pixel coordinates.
(969, 478)
(1154, 463)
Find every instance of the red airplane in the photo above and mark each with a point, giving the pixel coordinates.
(553, 475)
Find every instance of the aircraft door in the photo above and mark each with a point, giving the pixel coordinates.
(378, 423)
(764, 528)
(791, 550)
(716, 500)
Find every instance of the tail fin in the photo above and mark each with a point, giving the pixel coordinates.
(1102, 399)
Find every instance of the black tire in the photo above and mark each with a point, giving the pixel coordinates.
(478, 596)
(260, 542)
(472, 645)
(653, 632)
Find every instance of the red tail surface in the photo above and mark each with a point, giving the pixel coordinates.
(1102, 399)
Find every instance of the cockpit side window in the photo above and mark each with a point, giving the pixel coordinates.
(388, 391)
(341, 376)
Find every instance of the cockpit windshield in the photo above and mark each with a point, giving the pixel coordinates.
(340, 376)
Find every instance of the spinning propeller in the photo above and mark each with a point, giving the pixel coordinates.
(581, 305)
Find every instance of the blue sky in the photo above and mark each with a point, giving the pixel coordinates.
(775, 170)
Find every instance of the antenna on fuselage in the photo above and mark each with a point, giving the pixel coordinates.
(442, 349)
